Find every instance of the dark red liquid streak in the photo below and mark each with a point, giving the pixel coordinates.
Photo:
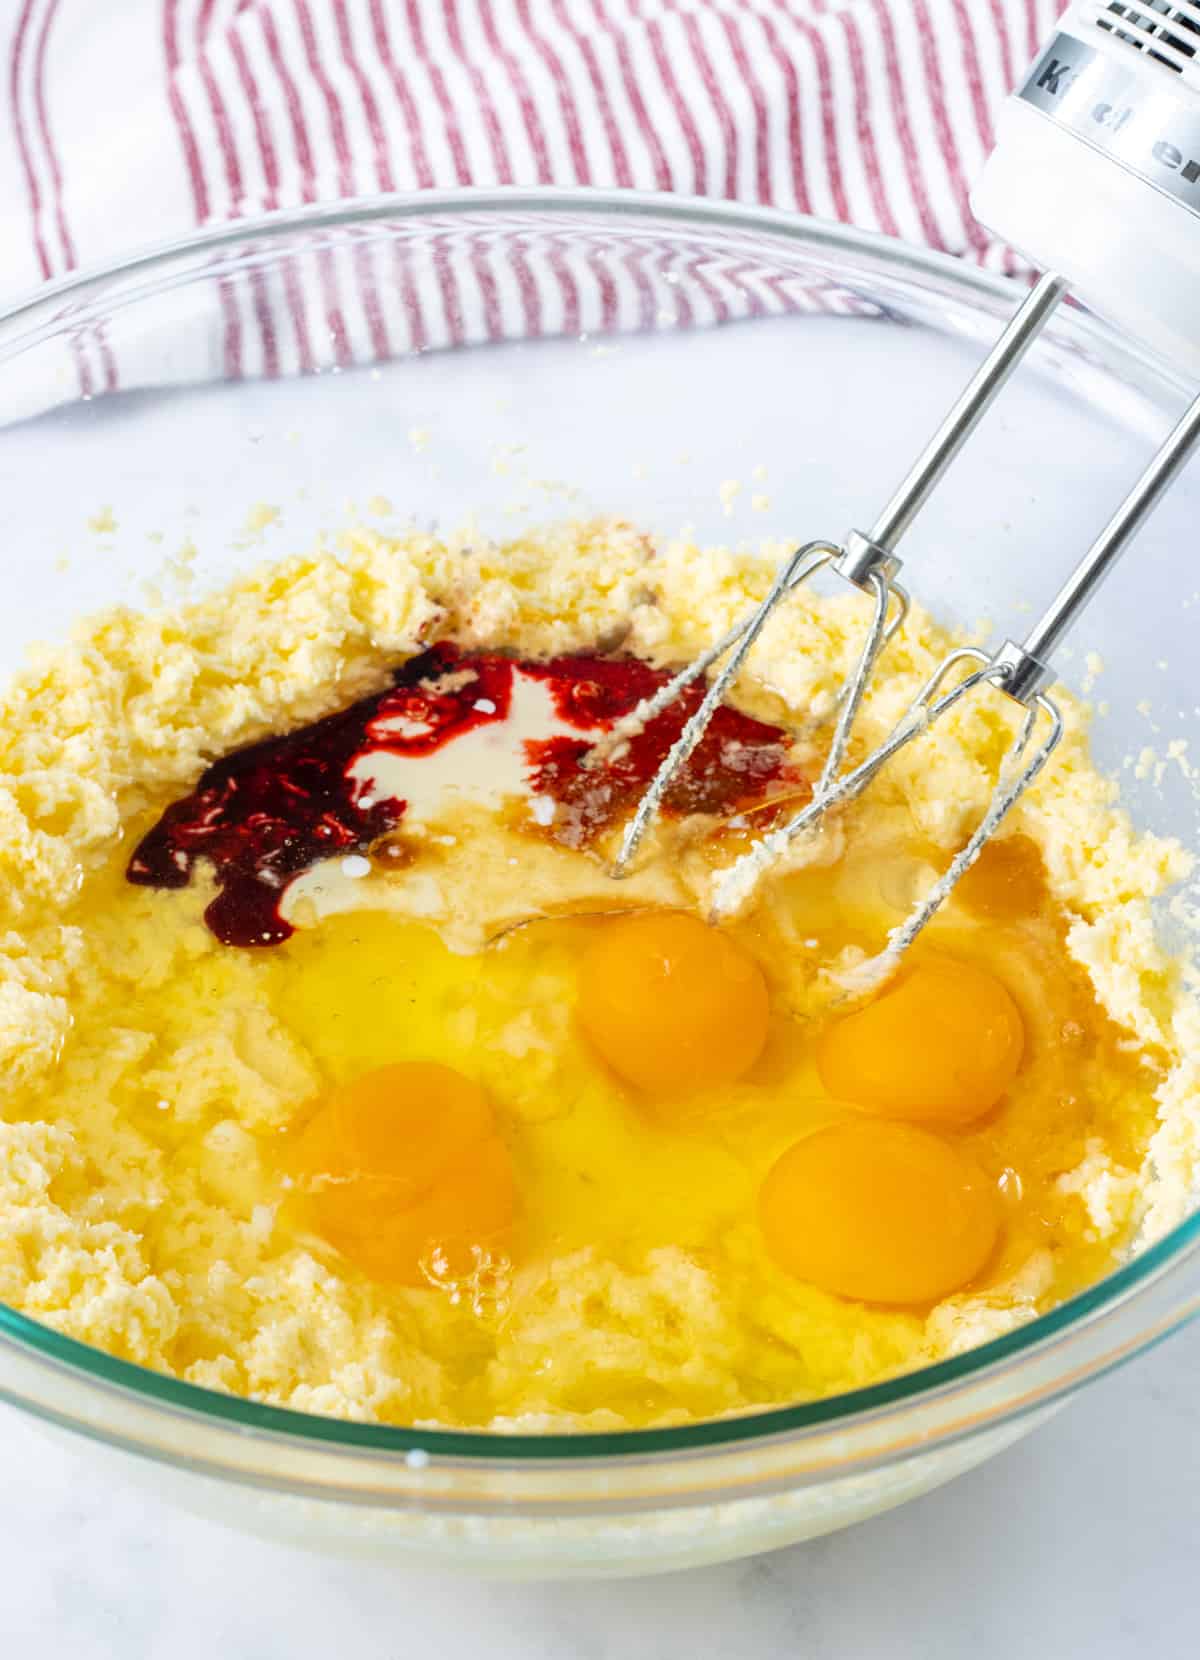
(263, 814)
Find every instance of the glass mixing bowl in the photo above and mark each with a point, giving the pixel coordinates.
(518, 355)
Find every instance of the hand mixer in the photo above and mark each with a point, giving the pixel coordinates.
(1096, 177)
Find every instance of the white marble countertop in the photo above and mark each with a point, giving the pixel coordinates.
(1081, 1540)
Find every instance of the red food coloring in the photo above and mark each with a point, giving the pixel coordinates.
(264, 814)
(731, 766)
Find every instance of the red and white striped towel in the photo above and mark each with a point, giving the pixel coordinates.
(134, 123)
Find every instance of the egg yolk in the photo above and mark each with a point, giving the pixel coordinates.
(1006, 881)
(940, 1046)
(671, 1004)
(881, 1212)
(404, 1173)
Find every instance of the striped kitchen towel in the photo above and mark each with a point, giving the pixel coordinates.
(133, 123)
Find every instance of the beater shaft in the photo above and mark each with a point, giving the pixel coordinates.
(1096, 563)
(971, 406)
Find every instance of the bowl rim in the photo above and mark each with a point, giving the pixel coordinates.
(545, 201)
(845, 1411)
(423, 204)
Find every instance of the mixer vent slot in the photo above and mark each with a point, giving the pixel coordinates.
(1166, 30)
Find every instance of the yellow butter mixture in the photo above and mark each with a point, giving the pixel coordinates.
(492, 1140)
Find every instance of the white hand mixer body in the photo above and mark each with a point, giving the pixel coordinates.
(1096, 179)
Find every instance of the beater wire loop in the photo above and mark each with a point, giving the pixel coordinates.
(1015, 778)
(930, 704)
(925, 708)
(796, 569)
(851, 695)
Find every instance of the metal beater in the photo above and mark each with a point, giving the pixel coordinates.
(1064, 116)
